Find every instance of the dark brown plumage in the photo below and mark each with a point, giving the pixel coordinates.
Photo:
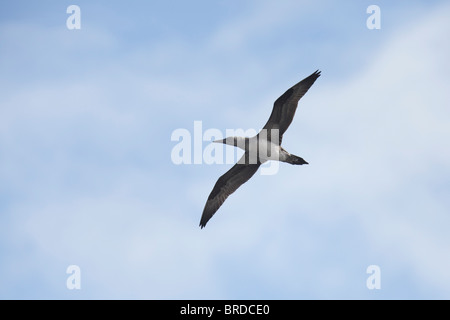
(281, 117)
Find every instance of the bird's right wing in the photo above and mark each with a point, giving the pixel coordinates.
(226, 185)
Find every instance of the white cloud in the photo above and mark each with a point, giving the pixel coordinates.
(376, 144)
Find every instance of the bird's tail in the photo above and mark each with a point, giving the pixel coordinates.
(293, 159)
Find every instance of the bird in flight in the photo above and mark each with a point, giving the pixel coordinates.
(265, 146)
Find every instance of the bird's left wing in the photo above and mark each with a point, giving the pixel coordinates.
(285, 106)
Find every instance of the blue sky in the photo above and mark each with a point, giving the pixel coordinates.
(86, 176)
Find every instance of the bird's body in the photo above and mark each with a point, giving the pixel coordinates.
(269, 150)
(260, 148)
(265, 146)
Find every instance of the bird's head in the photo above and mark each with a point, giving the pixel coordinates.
(233, 141)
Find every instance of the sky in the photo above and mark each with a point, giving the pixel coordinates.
(87, 176)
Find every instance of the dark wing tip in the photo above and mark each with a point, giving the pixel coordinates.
(205, 218)
(208, 212)
(202, 223)
(309, 81)
(316, 74)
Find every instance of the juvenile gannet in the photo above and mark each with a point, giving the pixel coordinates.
(266, 145)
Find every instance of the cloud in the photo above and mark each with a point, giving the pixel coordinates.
(377, 139)
(85, 181)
